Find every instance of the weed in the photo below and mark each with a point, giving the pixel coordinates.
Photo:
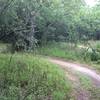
(30, 77)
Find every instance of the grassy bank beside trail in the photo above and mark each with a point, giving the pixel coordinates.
(72, 53)
(27, 77)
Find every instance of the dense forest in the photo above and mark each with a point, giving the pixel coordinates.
(49, 49)
(26, 24)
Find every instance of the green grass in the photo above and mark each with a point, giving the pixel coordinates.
(85, 81)
(88, 85)
(95, 93)
(95, 43)
(29, 77)
(62, 50)
(68, 52)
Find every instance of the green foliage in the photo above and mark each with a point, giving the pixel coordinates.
(87, 84)
(98, 46)
(85, 81)
(94, 56)
(63, 50)
(69, 51)
(28, 21)
(25, 77)
(95, 93)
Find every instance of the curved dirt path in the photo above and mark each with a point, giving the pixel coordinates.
(80, 92)
(80, 68)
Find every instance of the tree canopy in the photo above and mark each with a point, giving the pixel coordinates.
(26, 23)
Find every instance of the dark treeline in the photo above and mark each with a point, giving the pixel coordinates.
(27, 23)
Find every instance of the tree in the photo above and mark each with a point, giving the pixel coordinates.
(28, 23)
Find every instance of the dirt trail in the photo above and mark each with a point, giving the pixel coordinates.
(80, 92)
(80, 68)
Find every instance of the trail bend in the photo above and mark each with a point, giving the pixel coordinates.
(78, 68)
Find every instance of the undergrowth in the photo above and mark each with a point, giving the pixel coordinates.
(70, 52)
(27, 77)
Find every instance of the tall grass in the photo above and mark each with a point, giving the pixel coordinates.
(68, 51)
(62, 50)
(27, 77)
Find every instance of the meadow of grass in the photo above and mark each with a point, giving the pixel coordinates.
(29, 77)
(70, 52)
(62, 50)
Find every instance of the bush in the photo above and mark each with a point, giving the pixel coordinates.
(94, 56)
